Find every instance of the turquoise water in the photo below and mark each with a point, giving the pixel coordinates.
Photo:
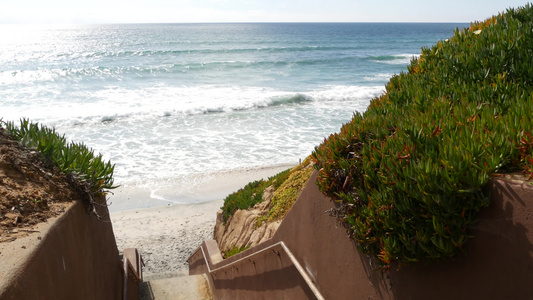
(169, 101)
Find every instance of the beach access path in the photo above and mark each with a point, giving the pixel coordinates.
(167, 235)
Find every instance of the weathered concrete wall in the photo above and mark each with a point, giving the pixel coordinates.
(498, 263)
(76, 258)
(325, 251)
(270, 273)
(133, 275)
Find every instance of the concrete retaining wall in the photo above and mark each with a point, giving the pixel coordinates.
(498, 263)
(269, 273)
(72, 257)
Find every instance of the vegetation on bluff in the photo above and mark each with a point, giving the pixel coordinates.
(87, 172)
(287, 192)
(409, 171)
(287, 186)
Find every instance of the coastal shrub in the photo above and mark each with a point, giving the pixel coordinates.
(244, 198)
(408, 173)
(250, 195)
(287, 186)
(75, 159)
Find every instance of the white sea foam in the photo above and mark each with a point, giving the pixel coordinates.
(117, 103)
(397, 59)
(380, 77)
(144, 136)
(190, 130)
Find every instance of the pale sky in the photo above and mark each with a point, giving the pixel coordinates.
(193, 11)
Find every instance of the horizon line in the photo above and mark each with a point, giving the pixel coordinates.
(241, 22)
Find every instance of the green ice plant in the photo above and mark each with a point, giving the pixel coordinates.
(409, 172)
(71, 158)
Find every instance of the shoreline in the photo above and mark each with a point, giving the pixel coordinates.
(197, 188)
(166, 235)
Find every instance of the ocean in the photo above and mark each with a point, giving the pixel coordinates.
(172, 103)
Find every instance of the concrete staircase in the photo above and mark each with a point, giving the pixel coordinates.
(193, 287)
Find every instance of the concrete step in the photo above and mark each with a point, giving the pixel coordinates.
(193, 287)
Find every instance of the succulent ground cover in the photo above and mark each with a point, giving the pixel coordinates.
(74, 159)
(409, 172)
(30, 192)
(40, 172)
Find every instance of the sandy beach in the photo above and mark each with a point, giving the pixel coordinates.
(167, 234)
